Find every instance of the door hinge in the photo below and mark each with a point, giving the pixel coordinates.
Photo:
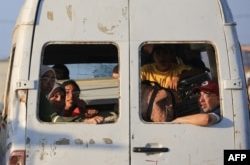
(26, 84)
(232, 84)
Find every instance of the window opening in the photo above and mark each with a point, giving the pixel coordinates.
(173, 78)
(76, 83)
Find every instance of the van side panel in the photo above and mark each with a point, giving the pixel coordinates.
(126, 25)
(79, 22)
(176, 23)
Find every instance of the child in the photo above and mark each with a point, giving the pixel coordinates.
(57, 98)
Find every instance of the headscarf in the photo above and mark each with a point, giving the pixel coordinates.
(44, 69)
(57, 85)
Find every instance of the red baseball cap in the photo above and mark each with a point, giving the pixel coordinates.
(210, 86)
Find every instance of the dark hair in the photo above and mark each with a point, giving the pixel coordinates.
(71, 82)
(165, 48)
(62, 72)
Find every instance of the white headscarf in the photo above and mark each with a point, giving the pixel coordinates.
(44, 69)
(57, 85)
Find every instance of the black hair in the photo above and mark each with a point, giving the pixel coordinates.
(61, 68)
(166, 48)
(72, 82)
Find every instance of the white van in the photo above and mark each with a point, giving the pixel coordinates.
(92, 37)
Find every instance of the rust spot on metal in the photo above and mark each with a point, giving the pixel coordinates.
(105, 29)
(50, 15)
(107, 141)
(62, 141)
(69, 12)
(22, 95)
(27, 140)
(78, 141)
(91, 141)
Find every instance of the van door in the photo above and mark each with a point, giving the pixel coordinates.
(89, 44)
(171, 22)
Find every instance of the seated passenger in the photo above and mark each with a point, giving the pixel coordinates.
(210, 106)
(47, 113)
(165, 71)
(74, 106)
(62, 72)
(57, 98)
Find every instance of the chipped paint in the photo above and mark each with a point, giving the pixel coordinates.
(105, 29)
(84, 20)
(78, 141)
(22, 95)
(42, 153)
(62, 141)
(69, 12)
(27, 140)
(107, 141)
(9, 146)
(50, 15)
(91, 141)
(52, 150)
(124, 12)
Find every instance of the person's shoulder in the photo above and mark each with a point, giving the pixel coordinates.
(147, 67)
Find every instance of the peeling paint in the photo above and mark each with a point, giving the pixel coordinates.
(105, 29)
(53, 150)
(69, 12)
(27, 140)
(62, 141)
(9, 146)
(91, 141)
(22, 95)
(107, 141)
(84, 20)
(50, 15)
(124, 12)
(42, 153)
(78, 141)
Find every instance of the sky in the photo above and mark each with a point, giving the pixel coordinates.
(9, 10)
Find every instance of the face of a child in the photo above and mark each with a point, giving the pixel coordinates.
(57, 98)
(71, 94)
(48, 80)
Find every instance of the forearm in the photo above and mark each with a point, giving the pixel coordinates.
(197, 119)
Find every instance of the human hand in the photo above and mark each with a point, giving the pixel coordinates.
(174, 82)
(90, 112)
(94, 120)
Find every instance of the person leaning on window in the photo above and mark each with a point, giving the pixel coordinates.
(210, 106)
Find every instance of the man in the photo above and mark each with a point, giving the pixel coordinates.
(210, 106)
